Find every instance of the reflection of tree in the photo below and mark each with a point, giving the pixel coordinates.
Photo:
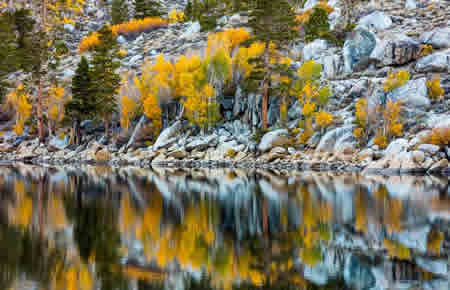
(97, 237)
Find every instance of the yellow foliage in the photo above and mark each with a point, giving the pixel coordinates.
(380, 140)
(304, 17)
(435, 91)
(89, 42)
(308, 109)
(310, 70)
(358, 133)
(391, 115)
(19, 100)
(69, 21)
(176, 16)
(439, 137)
(426, 49)
(245, 54)
(397, 250)
(396, 80)
(133, 26)
(324, 119)
(153, 112)
(55, 104)
(361, 112)
(434, 242)
(123, 53)
(127, 111)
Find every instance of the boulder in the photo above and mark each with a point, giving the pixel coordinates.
(357, 50)
(397, 146)
(315, 49)
(429, 148)
(274, 138)
(438, 166)
(411, 4)
(376, 21)
(395, 49)
(56, 144)
(168, 135)
(192, 30)
(68, 27)
(201, 143)
(335, 139)
(412, 94)
(436, 62)
(438, 37)
(418, 156)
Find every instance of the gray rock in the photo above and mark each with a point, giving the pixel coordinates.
(121, 40)
(315, 49)
(413, 94)
(192, 30)
(438, 166)
(411, 4)
(333, 139)
(438, 267)
(376, 21)
(310, 4)
(168, 134)
(418, 156)
(272, 139)
(134, 60)
(395, 49)
(59, 144)
(429, 148)
(68, 27)
(438, 38)
(397, 146)
(436, 62)
(201, 143)
(357, 50)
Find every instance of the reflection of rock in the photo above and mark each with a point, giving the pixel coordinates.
(357, 273)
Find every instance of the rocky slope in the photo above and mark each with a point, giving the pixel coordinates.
(389, 36)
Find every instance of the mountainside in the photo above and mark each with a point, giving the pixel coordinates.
(386, 65)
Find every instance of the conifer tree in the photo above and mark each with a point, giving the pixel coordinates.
(82, 105)
(272, 23)
(105, 80)
(119, 11)
(146, 8)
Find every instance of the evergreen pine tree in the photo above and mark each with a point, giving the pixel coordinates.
(105, 80)
(82, 105)
(272, 23)
(189, 10)
(146, 8)
(119, 11)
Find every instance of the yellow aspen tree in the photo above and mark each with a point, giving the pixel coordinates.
(55, 107)
(19, 100)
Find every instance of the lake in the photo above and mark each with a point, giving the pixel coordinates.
(91, 227)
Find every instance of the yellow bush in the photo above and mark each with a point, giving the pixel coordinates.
(439, 137)
(397, 250)
(426, 49)
(89, 42)
(134, 26)
(176, 16)
(123, 53)
(434, 242)
(324, 119)
(380, 140)
(435, 91)
(392, 114)
(396, 80)
(231, 153)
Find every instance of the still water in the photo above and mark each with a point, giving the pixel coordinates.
(83, 228)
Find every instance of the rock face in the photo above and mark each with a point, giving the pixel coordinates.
(436, 62)
(168, 134)
(314, 49)
(395, 49)
(413, 94)
(273, 139)
(376, 21)
(357, 50)
(333, 140)
(438, 38)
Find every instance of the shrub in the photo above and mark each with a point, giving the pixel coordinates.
(396, 80)
(439, 137)
(231, 153)
(176, 16)
(435, 92)
(128, 29)
(426, 49)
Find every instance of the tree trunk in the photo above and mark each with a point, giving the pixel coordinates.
(77, 132)
(39, 112)
(265, 100)
(138, 128)
(107, 123)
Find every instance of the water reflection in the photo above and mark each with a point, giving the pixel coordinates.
(104, 228)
